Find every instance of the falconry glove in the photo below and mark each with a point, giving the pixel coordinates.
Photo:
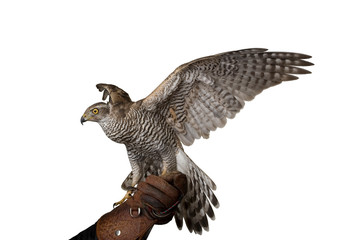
(154, 202)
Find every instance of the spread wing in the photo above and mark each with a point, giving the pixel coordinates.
(199, 96)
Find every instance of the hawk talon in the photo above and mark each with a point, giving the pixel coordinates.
(164, 171)
(126, 197)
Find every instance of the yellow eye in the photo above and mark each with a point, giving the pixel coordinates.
(95, 111)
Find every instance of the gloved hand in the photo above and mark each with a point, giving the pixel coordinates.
(153, 202)
(159, 196)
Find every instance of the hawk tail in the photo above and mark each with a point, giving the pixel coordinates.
(195, 206)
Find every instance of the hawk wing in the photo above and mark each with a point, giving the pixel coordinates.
(199, 96)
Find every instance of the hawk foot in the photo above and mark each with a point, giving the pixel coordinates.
(127, 196)
(163, 172)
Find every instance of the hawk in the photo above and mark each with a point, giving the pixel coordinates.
(198, 97)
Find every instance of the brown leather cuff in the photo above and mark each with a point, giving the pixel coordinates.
(154, 202)
(123, 223)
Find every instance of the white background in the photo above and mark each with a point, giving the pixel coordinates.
(287, 167)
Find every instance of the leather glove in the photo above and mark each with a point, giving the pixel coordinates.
(153, 202)
(160, 195)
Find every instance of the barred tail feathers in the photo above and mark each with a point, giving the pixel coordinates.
(196, 204)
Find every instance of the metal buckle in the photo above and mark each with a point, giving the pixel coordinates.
(138, 212)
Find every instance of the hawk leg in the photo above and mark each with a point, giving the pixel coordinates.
(164, 170)
(169, 162)
(137, 172)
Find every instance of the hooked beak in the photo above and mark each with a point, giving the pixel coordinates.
(82, 120)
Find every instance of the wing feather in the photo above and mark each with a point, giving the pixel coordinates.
(200, 95)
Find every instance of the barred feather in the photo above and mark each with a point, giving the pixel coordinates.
(195, 206)
(231, 78)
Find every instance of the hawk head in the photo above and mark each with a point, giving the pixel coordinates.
(95, 112)
(118, 104)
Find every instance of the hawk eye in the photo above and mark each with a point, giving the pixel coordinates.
(95, 111)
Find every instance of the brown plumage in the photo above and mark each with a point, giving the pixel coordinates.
(195, 99)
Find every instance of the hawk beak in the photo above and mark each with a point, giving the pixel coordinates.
(82, 120)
